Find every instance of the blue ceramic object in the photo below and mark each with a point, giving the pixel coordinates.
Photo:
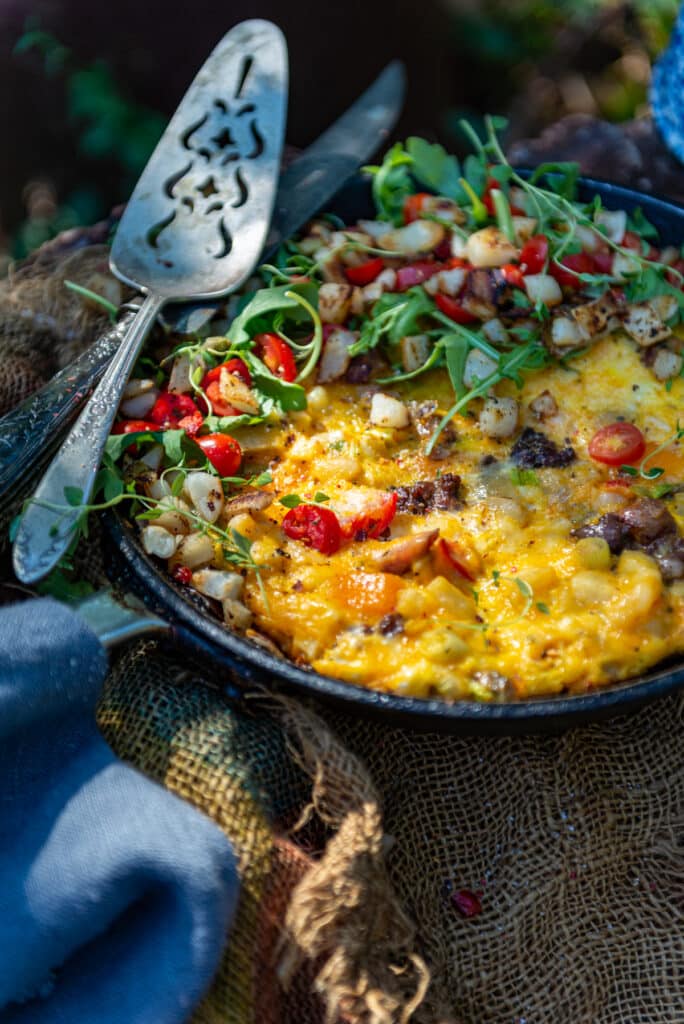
(667, 90)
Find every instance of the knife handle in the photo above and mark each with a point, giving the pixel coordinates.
(31, 432)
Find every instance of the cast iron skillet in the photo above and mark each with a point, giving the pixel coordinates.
(248, 663)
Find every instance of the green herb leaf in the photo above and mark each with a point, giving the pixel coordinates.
(319, 497)
(543, 608)
(291, 501)
(524, 477)
(434, 167)
(73, 496)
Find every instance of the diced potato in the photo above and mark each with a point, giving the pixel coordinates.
(544, 405)
(179, 379)
(137, 407)
(236, 614)
(643, 324)
(206, 494)
(450, 598)
(524, 228)
(593, 553)
(318, 398)
(566, 333)
(588, 238)
(543, 288)
(591, 587)
(194, 551)
(495, 331)
(218, 584)
(499, 417)
(458, 246)
(415, 349)
(450, 282)
(158, 541)
(336, 358)
(478, 366)
(153, 457)
(613, 224)
(333, 302)
(234, 391)
(593, 318)
(667, 364)
(138, 386)
(388, 412)
(384, 282)
(665, 306)
(172, 516)
(419, 236)
(443, 645)
(625, 266)
(489, 247)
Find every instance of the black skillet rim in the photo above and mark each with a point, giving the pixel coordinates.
(249, 663)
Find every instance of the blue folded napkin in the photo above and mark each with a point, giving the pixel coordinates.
(667, 86)
(115, 896)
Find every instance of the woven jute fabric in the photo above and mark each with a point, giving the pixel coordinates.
(355, 838)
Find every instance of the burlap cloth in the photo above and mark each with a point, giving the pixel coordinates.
(354, 839)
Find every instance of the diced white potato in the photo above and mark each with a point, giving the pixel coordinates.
(341, 239)
(388, 412)
(158, 541)
(489, 247)
(669, 255)
(544, 405)
(495, 331)
(234, 391)
(194, 551)
(613, 223)
(478, 366)
(357, 304)
(667, 364)
(138, 386)
(431, 286)
(450, 282)
(153, 457)
(415, 349)
(244, 523)
(458, 246)
(643, 324)
(524, 228)
(419, 236)
(336, 358)
(593, 318)
(543, 288)
(375, 228)
(664, 305)
(157, 488)
(236, 614)
(499, 417)
(384, 282)
(624, 266)
(179, 379)
(218, 583)
(331, 268)
(206, 494)
(317, 399)
(172, 516)
(588, 238)
(137, 408)
(517, 196)
(333, 302)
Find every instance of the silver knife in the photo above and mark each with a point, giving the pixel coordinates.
(31, 432)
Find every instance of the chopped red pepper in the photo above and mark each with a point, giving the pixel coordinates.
(572, 265)
(191, 424)
(513, 275)
(277, 355)
(365, 272)
(454, 310)
(413, 206)
(169, 409)
(534, 254)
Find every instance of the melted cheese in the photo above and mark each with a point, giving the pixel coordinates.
(579, 620)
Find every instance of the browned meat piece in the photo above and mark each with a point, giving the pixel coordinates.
(363, 368)
(391, 624)
(424, 419)
(534, 450)
(248, 501)
(610, 528)
(647, 526)
(399, 555)
(425, 495)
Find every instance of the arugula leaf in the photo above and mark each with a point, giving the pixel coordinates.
(524, 477)
(636, 221)
(456, 348)
(73, 496)
(226, 424)
(434, 167)
(417, 303)
(178, 448)
(392, 183)
(287, 396)
(264, 304)
(117, 444)
(291, 501)
(562, 177)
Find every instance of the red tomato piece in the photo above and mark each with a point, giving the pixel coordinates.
(513, 275)
(133, 426)
(631, 241)
(450, 555)
(365, 272)
(617, 444)
(454, 310)
(365, 513)
(169, 409)
(572, 265)
(603, 262)
(534, 254)
(218, 404)
(413, 206)
(277, 355)
(494, 185)
(191, 424)
(235, 366)
(315, 526)
(415, 273)
(223, 451)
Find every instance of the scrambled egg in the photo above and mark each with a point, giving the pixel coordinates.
(535, 611)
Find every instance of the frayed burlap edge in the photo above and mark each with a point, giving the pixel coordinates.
(344, 914)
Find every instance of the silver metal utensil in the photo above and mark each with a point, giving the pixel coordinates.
(193, 228)
(32, 432)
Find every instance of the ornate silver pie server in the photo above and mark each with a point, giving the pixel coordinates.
(193, 229)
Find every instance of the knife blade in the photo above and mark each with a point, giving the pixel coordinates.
(32, 432)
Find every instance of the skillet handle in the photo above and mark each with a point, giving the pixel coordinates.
(31, 432)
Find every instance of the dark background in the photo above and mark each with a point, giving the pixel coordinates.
(85, 89)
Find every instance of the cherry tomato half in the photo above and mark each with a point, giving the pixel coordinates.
(365, 272)
(169, 409)
(413, 206)
(454, 310)
(223, 451)
(572, 265)
(235, 366)
(617, 444)
(315, 526)
(365, 513)
(218, 403)
(513, 275)
(133, 426)
(191, 424)
(534, 254)
(277, 355)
